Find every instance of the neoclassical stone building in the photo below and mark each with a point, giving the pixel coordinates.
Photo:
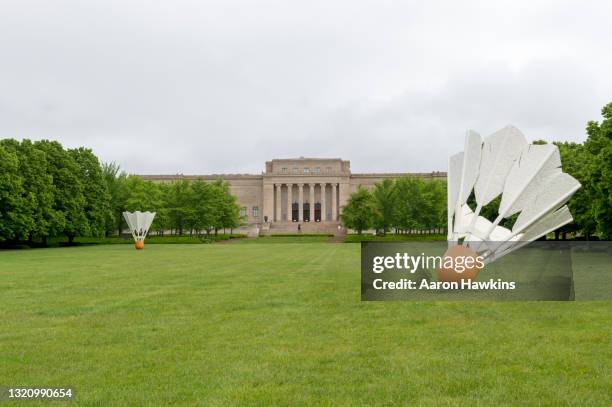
(301, 190)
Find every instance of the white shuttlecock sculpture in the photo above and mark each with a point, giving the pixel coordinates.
(139, 224)
(531, 184)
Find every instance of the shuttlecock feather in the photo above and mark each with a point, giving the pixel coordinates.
(531, 183)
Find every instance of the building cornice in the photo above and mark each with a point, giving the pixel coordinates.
(433, 174)
(166, 177)
(160, 177)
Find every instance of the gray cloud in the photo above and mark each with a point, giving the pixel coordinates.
(222, 86)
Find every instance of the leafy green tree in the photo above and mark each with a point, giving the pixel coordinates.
(575, 161)
(434, 194)
(13, 220)
(420, 204)
(599, 147)
(116, 182)
(95, 190)
(205, 206)
(385, 203)
(162, 218)
(411, 203)
(145, 196)
(229, 210)
(68, 198)
(359, 212)
(37, 210)
(178, 201)
(142, 195)
(39, 186)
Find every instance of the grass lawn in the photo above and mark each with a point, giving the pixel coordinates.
(284, 239)
(279, 324)
(354, 238)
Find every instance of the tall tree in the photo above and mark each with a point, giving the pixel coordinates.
(229, 209)
(161, 223)
(68, 199)
(575, 161)
(145, 196)
(13, 220)
(434, 193)
(411, 203)
(95, 190)
(385, 203)
(116, 184)
(142, 195)
(599, 147)
(38, 183)
(178, 201)
(37, 210)
(358, 213)
(205, 208)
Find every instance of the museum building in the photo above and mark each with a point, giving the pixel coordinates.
(301, 190)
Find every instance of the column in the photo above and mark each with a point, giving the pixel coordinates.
(343, 196)
(312, 201)
(289, 201)
(301, 203)
(323, 203)
(278, 202)
(334, 202)
(267, 203)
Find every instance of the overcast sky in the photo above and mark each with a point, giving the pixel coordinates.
(199, 86)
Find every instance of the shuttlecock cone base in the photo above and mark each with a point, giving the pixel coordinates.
(449, 274)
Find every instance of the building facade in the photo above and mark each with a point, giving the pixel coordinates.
(299, 190)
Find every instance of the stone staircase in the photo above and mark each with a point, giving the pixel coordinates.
(323, 228)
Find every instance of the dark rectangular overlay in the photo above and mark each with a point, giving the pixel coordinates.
(540, 271)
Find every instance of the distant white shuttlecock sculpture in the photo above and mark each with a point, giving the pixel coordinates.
(139, 224)
(531, 184)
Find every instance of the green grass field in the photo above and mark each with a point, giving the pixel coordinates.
(279, 324)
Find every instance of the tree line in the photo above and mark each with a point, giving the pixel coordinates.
(405, 205)
(591, 164)
(415, 205)
(182, 207)
(48, 191)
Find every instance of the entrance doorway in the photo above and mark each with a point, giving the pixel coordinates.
(306, 212)
(318, 212)
(294, 212)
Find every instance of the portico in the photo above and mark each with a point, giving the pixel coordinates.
(306, 202)
(305, 190)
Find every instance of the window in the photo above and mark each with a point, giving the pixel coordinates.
(295, 170)
(243, 211)
(306, 170)
(284, 170)
(255, 211)
(317, 170)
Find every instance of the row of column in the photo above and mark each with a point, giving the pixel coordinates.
(334, 202)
